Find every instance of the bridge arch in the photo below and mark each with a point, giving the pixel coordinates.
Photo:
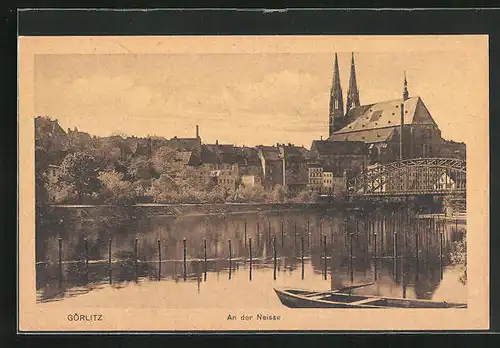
(416, 176)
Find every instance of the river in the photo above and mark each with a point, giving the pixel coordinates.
(134, 256)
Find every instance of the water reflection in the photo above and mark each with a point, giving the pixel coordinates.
(82, 250)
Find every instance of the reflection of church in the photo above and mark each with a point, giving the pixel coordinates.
(379, 125)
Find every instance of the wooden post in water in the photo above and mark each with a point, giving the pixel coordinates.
(159, 259)
(441, 254)
(382, 226)
(258, 233)
(345, 232)
(86, 245)
(245, 234)
(275, 260)
(302, 254)
(324, 255)
(351, 266)
(109, 260)
(357, 231)
(59, 241)
(250, 255)
(395, 256)
(205, 259)
(184, 258)
(135, 258)
(375, 254)
(230, 258)
(416, 244)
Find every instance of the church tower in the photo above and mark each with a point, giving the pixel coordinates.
(336, 100)
(353, 92)
(406, 95)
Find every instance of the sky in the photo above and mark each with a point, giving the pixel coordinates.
(252, 97)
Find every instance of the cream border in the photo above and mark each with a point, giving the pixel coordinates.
(476, 316)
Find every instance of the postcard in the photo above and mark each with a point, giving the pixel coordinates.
(253, 183)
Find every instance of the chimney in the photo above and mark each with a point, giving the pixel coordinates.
(197, 131)
(321, 138)
(217, 142)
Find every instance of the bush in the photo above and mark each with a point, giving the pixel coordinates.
(278, 194)
(459, 257)
(305, 196)
(250, 194)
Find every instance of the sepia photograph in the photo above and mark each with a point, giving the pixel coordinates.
(253, 183)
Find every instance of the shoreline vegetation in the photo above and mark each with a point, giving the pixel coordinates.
(76, 168)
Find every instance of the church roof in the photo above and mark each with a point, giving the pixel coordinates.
(368, 136)
(328, 147)
(376, 122)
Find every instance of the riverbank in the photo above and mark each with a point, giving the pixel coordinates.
(210, 209)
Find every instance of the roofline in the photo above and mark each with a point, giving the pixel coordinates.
(386, 101)
(365, 130)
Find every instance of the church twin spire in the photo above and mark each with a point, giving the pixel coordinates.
(353, 93)
(336, 99)
(337, 115)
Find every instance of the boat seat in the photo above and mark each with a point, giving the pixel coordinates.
(366, 300)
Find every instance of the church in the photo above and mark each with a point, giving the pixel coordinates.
(380, 125)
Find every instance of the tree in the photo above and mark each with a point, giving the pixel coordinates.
(41, 180)
(164, 189)
(115, 189)
(166, 161)
(140, 168)
(79, 170)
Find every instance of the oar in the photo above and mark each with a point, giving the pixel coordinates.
(347, 288)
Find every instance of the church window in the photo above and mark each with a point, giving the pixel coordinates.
(363, 125)
(389, 121)
(397, 106)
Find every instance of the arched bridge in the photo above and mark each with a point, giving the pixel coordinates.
(416, 176)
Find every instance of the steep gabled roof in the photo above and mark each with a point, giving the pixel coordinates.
(270, 153)
(251, 155)
(190, 144)
(387, 114)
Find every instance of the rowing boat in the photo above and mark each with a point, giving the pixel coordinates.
(343, 298)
